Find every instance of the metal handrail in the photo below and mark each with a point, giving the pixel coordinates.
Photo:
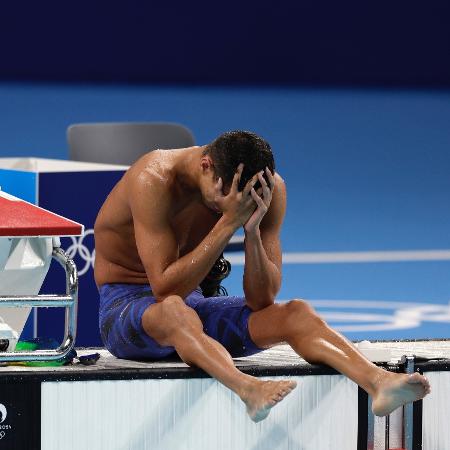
(68, 301)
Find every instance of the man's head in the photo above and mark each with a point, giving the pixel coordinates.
(235, 147)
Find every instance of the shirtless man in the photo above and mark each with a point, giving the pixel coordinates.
(157, 236)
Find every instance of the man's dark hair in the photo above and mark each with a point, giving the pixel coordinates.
(235, 147)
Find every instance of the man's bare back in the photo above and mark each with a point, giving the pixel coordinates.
(117, 257)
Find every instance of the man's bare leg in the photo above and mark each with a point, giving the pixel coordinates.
(297, 324)
(172, 323)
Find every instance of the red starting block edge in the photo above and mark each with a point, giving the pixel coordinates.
(19, 218)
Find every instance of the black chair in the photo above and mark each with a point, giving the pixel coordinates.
(123, 142)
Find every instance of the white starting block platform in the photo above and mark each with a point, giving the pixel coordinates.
(118, 404)
(29, 239)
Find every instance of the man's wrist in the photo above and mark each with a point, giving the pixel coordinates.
(229, 224)
(253, 234)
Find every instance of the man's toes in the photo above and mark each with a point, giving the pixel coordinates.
(415, 378)
(289, 386)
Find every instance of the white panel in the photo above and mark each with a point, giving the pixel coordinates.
(379, 430)
(396, 428)
(436, 412)
(195, 414)
(55, 165)
(379, 425)
(24, 263)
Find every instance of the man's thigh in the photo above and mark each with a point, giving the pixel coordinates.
(121, 309)
(225, 319)
(134, 326)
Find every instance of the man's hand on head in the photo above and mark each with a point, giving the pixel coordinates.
(236, 206)
(262, 197)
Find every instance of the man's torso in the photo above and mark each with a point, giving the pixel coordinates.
(117, 259)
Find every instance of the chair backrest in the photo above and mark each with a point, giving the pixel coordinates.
(123, 142)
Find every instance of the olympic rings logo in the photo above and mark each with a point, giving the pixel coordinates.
(80, 249)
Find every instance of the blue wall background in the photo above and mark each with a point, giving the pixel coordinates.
(365, 169)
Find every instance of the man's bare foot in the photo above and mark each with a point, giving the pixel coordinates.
(261, 396)
(395, 390)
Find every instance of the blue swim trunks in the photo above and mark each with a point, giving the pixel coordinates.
(225, 319)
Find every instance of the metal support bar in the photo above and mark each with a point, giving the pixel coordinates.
(68, 301)
(387, 426)
(370, 425)
(47, 301)
(408, 417)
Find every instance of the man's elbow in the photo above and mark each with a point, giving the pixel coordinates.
(159, 285)
(257, 304)
(159, 290)
(262, 297)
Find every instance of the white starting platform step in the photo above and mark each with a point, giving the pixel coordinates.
(118, 404)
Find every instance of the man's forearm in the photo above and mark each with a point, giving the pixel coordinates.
(186, 273)
(262, 279)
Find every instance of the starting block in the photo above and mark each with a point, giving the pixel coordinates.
(29, 240)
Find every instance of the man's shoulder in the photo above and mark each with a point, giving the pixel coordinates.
(280, 188)
(148, 186)
(279, 181)
(153, 173)
(277, 209)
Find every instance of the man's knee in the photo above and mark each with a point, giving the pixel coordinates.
(301, 317)
(175, 317)
(173, 307)
(177, 313)
(299, 306)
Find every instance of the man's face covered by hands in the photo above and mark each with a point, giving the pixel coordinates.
(247, 205)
